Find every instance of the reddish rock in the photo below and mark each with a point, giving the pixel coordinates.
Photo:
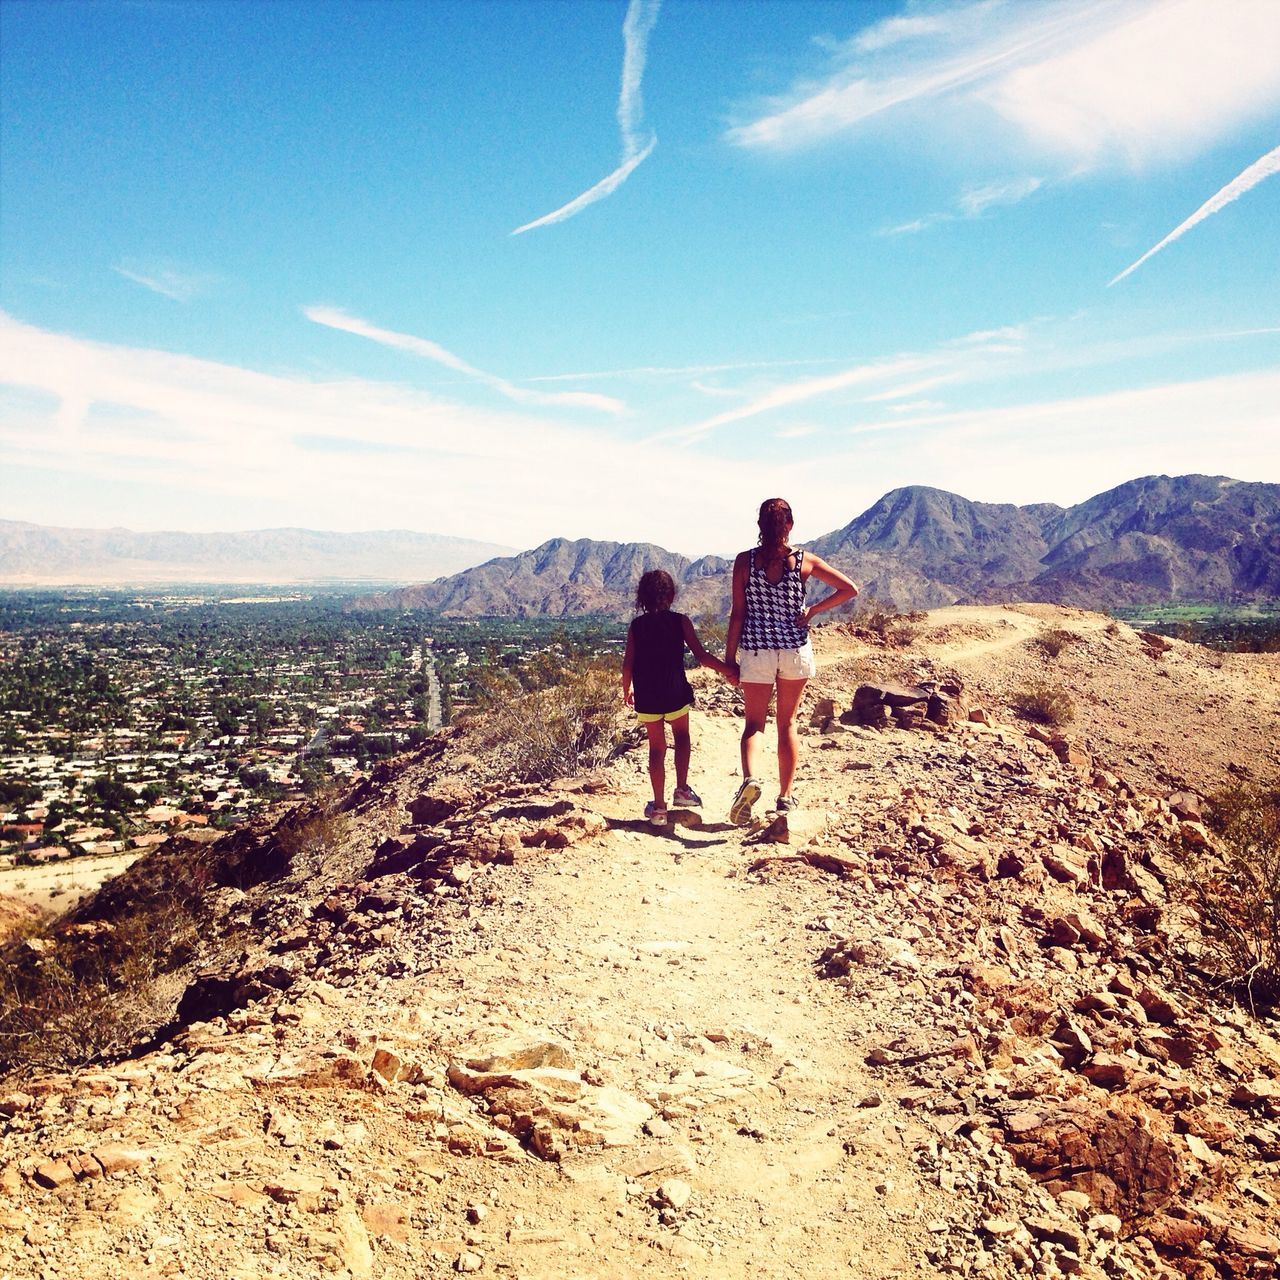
(1174, 1235)
(1258, 1244)
(1121, 1154)
(1108, 1071)
(1077, 927)
(440, 804)
(52, 1174)
(1067, 864)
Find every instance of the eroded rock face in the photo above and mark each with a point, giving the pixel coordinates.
(1122, 1155)
(440, 803)
(534, 1091)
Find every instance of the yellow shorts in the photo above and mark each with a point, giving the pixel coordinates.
(652, 717)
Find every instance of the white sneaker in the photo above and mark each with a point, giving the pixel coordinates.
(656, 813)
(740, 809)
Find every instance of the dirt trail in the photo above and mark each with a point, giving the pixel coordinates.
(656, 957)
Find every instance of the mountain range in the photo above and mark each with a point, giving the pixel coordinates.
(37, 555)
(1150, 540)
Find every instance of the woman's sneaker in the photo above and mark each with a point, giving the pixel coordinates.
(785, 805)
(740, 809)
(656, 813)
(686, 798)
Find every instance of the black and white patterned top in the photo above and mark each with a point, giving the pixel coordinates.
(772, 607)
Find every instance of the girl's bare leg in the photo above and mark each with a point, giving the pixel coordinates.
(657, 732)
(789, 694)
(683, 749)
(755, 699)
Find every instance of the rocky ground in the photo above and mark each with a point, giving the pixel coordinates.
(950, 1018)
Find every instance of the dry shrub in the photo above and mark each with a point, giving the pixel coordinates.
(890, 626)
(1237, 891)
(1045, 704)
(558, 732)
(1052, 642)
(79, 992)
(306, 840)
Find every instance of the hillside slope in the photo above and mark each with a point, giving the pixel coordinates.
(947, 1021)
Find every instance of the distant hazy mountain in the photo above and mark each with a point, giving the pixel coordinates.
(34, 555)
(1159, 538)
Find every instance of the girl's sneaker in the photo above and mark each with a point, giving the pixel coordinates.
(740, 809)
(656, 813)
(687, 798)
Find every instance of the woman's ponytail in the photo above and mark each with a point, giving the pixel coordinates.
(775, 522)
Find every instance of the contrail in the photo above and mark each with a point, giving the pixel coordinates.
(636, 28)
(1254, 174)
(335, 318)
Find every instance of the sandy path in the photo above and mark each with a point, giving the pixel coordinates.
(664, 964)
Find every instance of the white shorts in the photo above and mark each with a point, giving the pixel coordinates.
(762, 666)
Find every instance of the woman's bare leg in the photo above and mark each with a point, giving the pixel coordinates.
(755, 698)
(789, 694)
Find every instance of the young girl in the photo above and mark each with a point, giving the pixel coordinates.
(655, 661)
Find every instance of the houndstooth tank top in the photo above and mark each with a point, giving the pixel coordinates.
(772, 607)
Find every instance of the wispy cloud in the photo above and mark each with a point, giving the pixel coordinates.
(636, 145)
(1267, 167)
(790, 393)
(682, 370)
(334, 318)
(195, 441)
(973, 202)
(1088, 82)
(168, 281)
(891, 31)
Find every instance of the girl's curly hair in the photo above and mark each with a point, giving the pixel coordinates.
(655, 590)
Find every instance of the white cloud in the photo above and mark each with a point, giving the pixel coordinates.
(891, 31)
(334, 318)
(790, 393)
(1111, 81)
(1065, 450)
(1267, 167)
(159, 440)
(972, 203)
(168, 281)
(636, 148)
(975, 201)
(682, 371)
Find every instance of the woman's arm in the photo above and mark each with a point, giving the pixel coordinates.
(704, 659)
(628, 662)
(738, 610)
(843, 588)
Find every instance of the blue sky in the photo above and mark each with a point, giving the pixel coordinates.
(584, 268)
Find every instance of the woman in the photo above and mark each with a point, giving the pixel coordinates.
(769, 639)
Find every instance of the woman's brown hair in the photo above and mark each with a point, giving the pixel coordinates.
(775, 521)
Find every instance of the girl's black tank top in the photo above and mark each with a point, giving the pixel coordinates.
(657, 672)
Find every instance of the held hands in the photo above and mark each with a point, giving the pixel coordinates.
(629, 697)
(730, 672)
